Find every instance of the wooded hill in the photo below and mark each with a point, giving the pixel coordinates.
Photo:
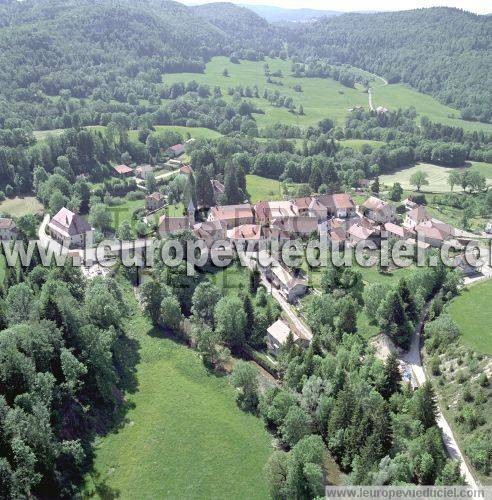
(108, 49)
(440, 51)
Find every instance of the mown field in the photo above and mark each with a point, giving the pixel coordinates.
(472, 311)
(184, 436)
(401, 96)
(261, 188)
(358, 144)
(19, 206)
(437, 176)
(320, 98)
(186, 132)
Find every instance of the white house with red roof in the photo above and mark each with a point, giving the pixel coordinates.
(69, 228)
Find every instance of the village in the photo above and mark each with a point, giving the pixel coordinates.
(334, 219)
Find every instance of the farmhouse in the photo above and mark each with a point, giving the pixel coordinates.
(170, 225)
(68, 228)
(297, 226)
(155, 201)
(399, 232)
(338, 205)
(8, 229)
(143, 171)
(176, 150)
(123, 170)
(434, 232)
(416, 216)
(232, 215)
(209, 232)
(378, 210)
(288, 285)
(361, 232)
(302, 205)
(282, 209)
(277, 335)
(250, 234)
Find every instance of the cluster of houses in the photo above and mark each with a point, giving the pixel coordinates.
(335, 217)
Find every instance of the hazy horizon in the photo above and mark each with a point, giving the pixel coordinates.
(475, 6)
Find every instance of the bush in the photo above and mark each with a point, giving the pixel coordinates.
(2, 196)
(135, 195)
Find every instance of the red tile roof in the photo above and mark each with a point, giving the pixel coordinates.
(123, 169)
(339, 201)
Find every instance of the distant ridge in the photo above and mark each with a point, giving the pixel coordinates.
(280, 14)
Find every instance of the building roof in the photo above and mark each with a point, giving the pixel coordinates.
(173, 224)
(359, 232)
(6, 223)
(262, 210)
(144, 168)
(231, 212)
(339, 201)
(185, 169)
(400, 231)
(282, 209)
(177, 147)
(68, 224)
(218, 186)
(435, 229)
(204, 230)
(338, 234)
(419, 214)
(298, 224)
(286, 278)
(245, 232)
(280, 331)
(123, 169)
(302, 203)
(155, 196)
(373, 203)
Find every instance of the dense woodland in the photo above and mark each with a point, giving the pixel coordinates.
(456, 67)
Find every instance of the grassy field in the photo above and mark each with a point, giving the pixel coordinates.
(401, 96)
(357, 144)
(42, 134)
(186, 132)
(320, 98)
(261, 188)
(471, 310)
(437, 176)
(20, 206)
(184, 436)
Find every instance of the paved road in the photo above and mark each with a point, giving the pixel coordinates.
(290, 312)
(413, 360)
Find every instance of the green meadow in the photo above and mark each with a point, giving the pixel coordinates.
(183, 436)
(401, 96)
(472, 311)
(320, 97)
(437, 176)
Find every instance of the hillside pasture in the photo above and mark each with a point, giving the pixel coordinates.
(396, 96)
(437, 176)
(320, 97)
(183, 436)
(471, 310)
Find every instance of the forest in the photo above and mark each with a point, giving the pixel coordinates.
(456, 67)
